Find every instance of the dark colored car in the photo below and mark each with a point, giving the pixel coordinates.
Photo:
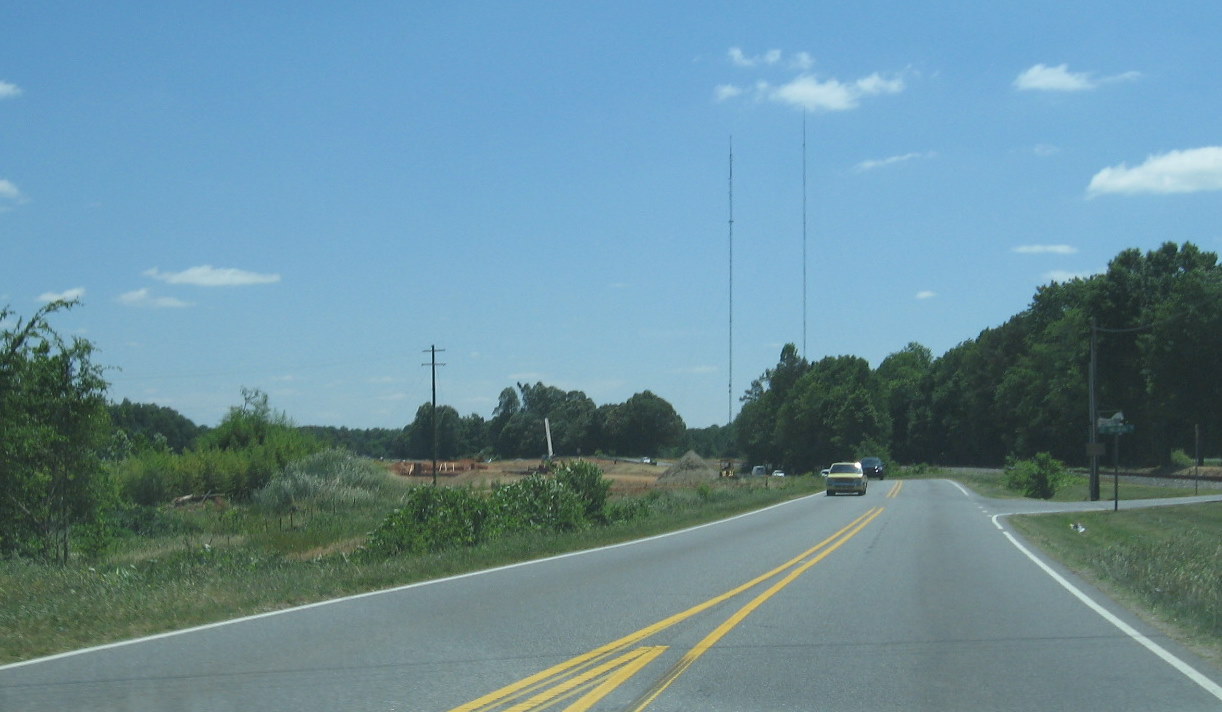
(873, 467)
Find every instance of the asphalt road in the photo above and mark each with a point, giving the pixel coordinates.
(913, 597)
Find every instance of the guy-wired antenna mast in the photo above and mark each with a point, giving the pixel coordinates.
(730, 387)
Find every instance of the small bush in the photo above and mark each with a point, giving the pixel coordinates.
(1038, 478)
(431, 519)
(1181, 460)
(332, 477)
(537, 503)
(587, 481)
(627, 510)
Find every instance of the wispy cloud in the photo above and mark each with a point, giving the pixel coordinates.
(926, 294)
(1046, 250)
(805, 91)
(880, 162)
(1189, 171)
(739, 59)
(1042, 77)
(813, 94)
(144, 298)
(1044, 150)
(209, 276)
(8, 90)
(68, 294)
(10, 195)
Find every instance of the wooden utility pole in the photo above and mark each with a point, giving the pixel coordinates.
(433, 351)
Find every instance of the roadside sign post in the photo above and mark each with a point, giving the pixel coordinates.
(1115, 426)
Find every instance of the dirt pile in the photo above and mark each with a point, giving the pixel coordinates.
(690, 468)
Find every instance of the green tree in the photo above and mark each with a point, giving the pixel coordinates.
(901, 376)
(142, 423)
(419, 434)
(54, 423)
(645, 423)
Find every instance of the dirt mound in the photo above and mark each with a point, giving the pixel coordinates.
(690, 468)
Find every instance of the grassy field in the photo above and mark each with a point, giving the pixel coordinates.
(213, 563)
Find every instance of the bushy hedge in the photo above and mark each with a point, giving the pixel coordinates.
(436, 518)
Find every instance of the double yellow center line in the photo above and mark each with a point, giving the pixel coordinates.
(595, 674)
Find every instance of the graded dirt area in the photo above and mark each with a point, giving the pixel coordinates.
(625, 475)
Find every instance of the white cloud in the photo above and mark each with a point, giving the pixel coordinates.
(67, 295)
(880, 162)
(1044, 78)
(1045, 150)
(209, 276)
(1189, 171)
(1046, 250)
(143, 298)
(10, 195)
(1041, 77)
(9, 90)
(810, 93)
(741, 60)
(727, 91)
(801, 61)
(926, 294)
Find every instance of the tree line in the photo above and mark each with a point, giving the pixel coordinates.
(1020, 388)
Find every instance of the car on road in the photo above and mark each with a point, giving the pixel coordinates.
(778, 473)
(846, 477)
(873, 467)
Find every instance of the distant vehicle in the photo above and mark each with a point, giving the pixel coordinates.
(778, 473)
(759, 471)
(873, 467)
(648, 461)
(825, 471)
(846, 477)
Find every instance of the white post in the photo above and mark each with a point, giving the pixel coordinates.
(547, 428)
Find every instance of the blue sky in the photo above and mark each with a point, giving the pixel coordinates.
(303, 197)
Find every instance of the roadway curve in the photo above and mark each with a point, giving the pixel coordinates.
(913, 597)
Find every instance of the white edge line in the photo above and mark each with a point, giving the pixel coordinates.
(1190, 672)
(417, 584)
(961, 488)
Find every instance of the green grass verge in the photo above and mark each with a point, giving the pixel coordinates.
(1076, 488)
(1163, 562)
(209, 565)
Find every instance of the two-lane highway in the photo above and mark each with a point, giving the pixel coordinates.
(913, 597)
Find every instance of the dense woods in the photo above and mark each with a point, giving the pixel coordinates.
(1020, 388)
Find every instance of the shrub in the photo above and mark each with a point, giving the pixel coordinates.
(537, 503)
(1181, 460)
(626, 510)
(333, 477)
(1038, 478)
(430, 520)
(587, 481)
